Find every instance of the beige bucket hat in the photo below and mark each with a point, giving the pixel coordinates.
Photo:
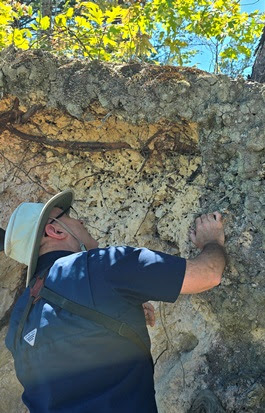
(26, 226)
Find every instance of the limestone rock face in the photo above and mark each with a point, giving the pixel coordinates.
(147, 149)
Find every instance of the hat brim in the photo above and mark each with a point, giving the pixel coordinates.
(62, 200)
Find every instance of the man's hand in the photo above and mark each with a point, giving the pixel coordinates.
(205, 271)
(209, 229)
(149, 313)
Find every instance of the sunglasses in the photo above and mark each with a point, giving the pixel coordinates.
(67, 211)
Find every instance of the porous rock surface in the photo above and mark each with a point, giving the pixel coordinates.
(147, 149)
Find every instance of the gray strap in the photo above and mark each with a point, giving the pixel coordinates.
(23, 320)
(118, 327)
(27, 309)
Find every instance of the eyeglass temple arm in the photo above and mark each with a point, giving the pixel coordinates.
(82, 245)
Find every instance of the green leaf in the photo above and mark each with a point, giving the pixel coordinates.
(30, 11)
(44, 23)
(70, 12)
(113, 14)
(229, 53)
(108, 42)
(245, 50)
(82, 22)
(60, 20)
(34, 27)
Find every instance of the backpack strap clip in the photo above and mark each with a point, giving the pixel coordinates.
(35, 290)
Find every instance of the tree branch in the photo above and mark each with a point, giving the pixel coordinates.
(78, 146)
(17, 116)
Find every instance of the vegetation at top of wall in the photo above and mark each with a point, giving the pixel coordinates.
(158, 31)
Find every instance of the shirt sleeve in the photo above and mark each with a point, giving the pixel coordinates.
(140, 274)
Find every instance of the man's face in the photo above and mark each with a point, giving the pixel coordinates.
(77, 227)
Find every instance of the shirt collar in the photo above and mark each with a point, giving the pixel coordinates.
(48, 259)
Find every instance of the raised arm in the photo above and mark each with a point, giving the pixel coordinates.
(205, 271)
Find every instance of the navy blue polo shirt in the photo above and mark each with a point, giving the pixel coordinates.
(68, 364)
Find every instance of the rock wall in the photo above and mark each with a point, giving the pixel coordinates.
(147, 149)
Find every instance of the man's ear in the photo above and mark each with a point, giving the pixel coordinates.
(52, 232)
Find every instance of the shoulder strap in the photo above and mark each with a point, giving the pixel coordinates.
(112, 324)
(35, 287)
(38, 290)
(23, 320)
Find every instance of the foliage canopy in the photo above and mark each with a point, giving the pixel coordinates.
(158, 31)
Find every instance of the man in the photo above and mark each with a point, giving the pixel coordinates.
(72, 363)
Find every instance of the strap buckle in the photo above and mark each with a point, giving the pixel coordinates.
(121, 328)
(35, 290)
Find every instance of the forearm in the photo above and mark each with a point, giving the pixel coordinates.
(214, 257)
(204, 271)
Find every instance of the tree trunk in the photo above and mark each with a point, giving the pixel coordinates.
(258, 70)
(46, 8)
